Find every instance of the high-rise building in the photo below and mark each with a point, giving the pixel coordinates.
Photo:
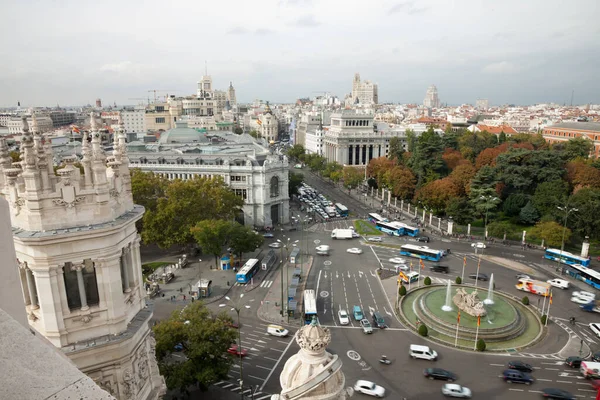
(364, 92)
(431, 97)
(98, 103)
(78, 253)
(231, 95)
(482, 104)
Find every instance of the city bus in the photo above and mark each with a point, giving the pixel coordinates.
(411, 231)
(375, 218)
(269, 260)
(567, 258)
(249, 269)
(341, 209)
(584, 274)
(422, 252)
(393, 228)
(310, 306)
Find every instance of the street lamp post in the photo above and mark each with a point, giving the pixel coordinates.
(567, 211)
(487, 199)
(237, 307)
(285, 245)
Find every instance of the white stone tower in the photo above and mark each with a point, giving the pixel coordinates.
(312, 373)
(231, 95)
(78, 252)
(431, 97)
(269, 126)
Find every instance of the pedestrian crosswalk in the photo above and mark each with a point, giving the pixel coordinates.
(248, 392)
(266, 284)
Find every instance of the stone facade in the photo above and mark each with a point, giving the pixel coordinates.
(78, 252)
(364, 92)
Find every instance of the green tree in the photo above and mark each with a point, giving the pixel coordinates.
(402, 290)
(549, 195)
(411, 140)
(331, 168)
(578, 148)
(336, 176)
(551, 232)
(184, 204)
(525, 300)
(238, 130)
(255, 134)
(205, 339)
(423, 330)
(450, 140)
(427, 281)
(529, 215)
(426, 160)
(352, 177)
(481, 345)
(295, 180)
(502, 137)
(514, 203)
(147, 188)
(243, 239)
(499, 228)
(458, 281)
(212, 235)
(471, 144)
(396, 150)
(523, 170)
(483, 190)
(460, 209)
(296, 152)
(586, 220)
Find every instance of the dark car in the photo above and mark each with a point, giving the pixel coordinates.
(520, 366)
(423, 239)
(440, 268)
(480, 276)
(268, 235)
(596, 356)
(512, 375)
(293, 228)
(439, 373)
(378, 320)
(573, 361)
(552, 393)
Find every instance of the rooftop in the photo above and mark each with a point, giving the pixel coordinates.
(584, 126)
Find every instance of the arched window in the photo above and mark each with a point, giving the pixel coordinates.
(274, 186)
(78, 296)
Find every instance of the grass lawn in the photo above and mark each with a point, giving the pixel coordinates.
(149, 268)
(365, 228)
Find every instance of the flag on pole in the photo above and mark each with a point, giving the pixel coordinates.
(478, 320)
(550, 297)
(478, 264)
(458, 318)
(465, 261)
(411, 266)
(422, 264)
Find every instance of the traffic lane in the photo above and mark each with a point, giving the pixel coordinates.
(334, 193)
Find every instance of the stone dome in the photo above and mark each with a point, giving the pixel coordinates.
(182, 134)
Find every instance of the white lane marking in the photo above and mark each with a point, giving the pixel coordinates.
(228, 386)
(273, 359)
(563, 382)
(499, 365)
(260, 366)
(517, 390)
(264, 397)
(544, 380)
(277, 363)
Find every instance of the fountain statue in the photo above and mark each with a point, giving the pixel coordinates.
(490, 297)
(447, 306)
(469, 303)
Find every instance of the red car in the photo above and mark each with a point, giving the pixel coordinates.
(236, 351)
(596, 384)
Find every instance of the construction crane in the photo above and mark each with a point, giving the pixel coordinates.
(159, 90)
(140, 98)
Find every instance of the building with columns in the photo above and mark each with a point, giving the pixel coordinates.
(251, 170)
(353, 139)
(77, 249)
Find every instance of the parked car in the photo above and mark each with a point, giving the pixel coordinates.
(439, 373)
(354, 250)
(513, 375)
(559, 283)
(520, 366)
(479, 245)
(366, 326)
(237, 351)
(375, 239)
(480, 276)
(369, 388)
(552, 393)
(454, 390)
(357, 312)
(573, 362)
(423, 239)
(343, 316)
(397, 260)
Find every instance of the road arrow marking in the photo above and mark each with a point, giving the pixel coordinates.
(325, 275)
(336, 275)
(387, 312)
(371, 310)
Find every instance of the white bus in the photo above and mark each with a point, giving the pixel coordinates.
(310, 306)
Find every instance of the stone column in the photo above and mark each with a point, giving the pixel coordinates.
(585, 247)
(401, 205)
(125, 266)
(62, 290)
(524, 233)
(389, 198)
(80, 285)
(33, 297)
(408, 208)
(52, 317)
(430, 217)
(450, 225)
(439, 223)
(423, 215)
(469, 230)
(395, 202)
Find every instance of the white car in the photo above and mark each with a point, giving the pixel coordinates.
(479, 245)
(586, 295)
(454, 390)
(343, 316)
(559, 283)
(401, 267)
(369, 388)
(355, 235)
(354, 250)
(275, 245)
(375, 239)
(595, 328)
(397, 260)
(581, 300)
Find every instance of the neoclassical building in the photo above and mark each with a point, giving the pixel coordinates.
(77, 249)
(251, 170)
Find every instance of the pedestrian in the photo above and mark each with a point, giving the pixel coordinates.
(184, 297)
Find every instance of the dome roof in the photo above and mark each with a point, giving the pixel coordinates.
(182, 134)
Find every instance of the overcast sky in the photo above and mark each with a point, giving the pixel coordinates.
(70, 52)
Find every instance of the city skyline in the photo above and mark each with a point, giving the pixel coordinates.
(282, 50)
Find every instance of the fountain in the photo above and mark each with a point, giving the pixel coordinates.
(447, 306)
(490, 296)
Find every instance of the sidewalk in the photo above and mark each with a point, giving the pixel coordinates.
(270, 309)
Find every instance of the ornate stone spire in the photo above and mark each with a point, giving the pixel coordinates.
(28, 151)
(97, 152)
(313, 373)
(5, 160)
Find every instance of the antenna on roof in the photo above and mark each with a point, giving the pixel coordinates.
(572, 94)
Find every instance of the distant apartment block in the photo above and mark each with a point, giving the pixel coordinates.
(364, 92)
(431, 98)
(565, 131)
(482, 104)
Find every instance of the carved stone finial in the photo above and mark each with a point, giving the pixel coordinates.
(93, 123)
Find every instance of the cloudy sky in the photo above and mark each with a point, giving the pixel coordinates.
(70, 52)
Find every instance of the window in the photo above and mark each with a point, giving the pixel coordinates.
(89, 284)
(243, 193)
(274, 186)
(159, 120)
(160, 108)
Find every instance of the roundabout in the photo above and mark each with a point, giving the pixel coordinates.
(504, 323)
